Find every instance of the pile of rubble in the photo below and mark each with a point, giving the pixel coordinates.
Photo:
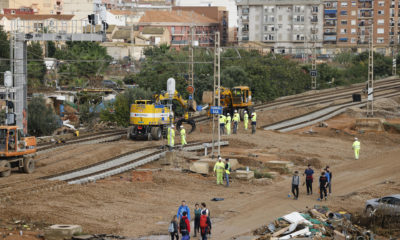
(316, 223)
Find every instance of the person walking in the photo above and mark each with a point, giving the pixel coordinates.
(323, 182)
(205, 225)
(356, 148)
(253, 122)
(183, 208)
(183, 136)
(295, 185)
(222, 121)
(329, 176)
(219, 169)
(236, 120)
(246, 120)
(227, 171)
(173, 228)
(228, 123)
(171, 137)
(309, 179)
(197, 215)
(184, 226)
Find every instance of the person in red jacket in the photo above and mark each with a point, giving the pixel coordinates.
(205, 225)
(184, 226)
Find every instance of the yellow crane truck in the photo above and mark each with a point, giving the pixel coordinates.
(150, 119)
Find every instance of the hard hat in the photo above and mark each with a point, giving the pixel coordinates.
(355, 138)
(235, 110)
(228, 114)
(245, 111)
(219, 158)
(181, 126)
(252, 113)
(172, 126)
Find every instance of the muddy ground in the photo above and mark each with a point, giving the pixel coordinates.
(121, 206)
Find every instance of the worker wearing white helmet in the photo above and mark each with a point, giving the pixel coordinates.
(236, 120)
(228, 123)
(356, 148)
(246, 120)
(219, 169)
(171, 137)
(253, 122)
(183, 136)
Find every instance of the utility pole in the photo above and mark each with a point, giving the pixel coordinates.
(191, 61)
(394, 56)
(370, 99)
(313, 57)
(217, 90)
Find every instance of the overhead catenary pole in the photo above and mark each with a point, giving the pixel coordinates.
(370, 99)
(216, 91)
(394, 56)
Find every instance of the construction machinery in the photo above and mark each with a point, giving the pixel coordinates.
(150, 119)
(16, 150)
(238, 98)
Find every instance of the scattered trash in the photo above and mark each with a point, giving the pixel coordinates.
(217, 199)
(316, 223)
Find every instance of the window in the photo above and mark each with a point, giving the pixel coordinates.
(12, 11)
(269, 37)
(343, 30)
(381, 12)
(314, 18)
(353, 13)
(381, 3)
(381, 21)
(353, 22)
(353, 40)
(380, 31)
(245, 11)
(343, 22)
(315, 9)
(353, 4)
(343, 4)
(343, 13)
(353, 31)
(380, 40)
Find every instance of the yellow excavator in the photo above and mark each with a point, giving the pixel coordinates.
(150, 119)
(237, 98)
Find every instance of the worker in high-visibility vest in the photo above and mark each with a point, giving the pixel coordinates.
(228, 123)
(219, 169)
(171, 137)
(227, 171)
(236, 120)
(246, 120)
(253, 122)
(356, 148)
(222, 121)
(183, 136)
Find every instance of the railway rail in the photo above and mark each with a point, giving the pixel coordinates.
(325, 113)
(109, 167)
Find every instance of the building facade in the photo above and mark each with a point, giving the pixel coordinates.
(348, 24)
(179, 24)
(283, 26)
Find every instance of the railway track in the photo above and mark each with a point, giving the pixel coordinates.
(87, 139)
(323, 97)
(325, 113)
(109, 167)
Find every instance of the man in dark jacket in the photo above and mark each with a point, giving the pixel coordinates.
(184, 226)
(329, 176)
(295, 185)
(309, 179)
(323, 183)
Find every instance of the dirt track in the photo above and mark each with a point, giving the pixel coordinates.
(119, 206)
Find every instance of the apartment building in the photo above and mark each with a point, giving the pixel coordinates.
(283, 26)
(347, 23)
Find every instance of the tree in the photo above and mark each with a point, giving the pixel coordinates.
(41, 118)
(51, 49)
(36, 66)
(119, 110)
(86, 60)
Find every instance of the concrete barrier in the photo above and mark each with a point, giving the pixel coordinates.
(61, 231)
(370, 124)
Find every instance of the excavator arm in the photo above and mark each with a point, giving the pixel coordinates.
(187, 105)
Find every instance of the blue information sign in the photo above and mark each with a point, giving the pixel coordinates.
(216, 110)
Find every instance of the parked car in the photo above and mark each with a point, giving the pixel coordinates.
(387, 205)
(110, 84)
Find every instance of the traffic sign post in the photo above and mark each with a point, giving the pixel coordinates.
(216, 110)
